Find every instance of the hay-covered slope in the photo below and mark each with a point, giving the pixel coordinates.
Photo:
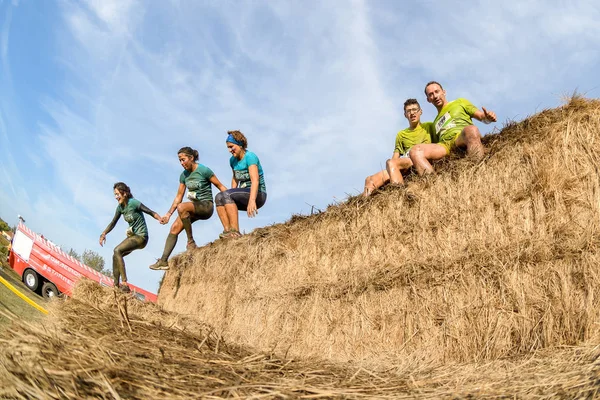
(105, 345)
(478, 262)
(480, 282)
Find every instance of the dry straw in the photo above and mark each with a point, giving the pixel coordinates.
(481, 261)
(480, 281)
(107, 346)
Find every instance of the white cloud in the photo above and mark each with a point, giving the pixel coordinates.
(115, 13)
(318, 89)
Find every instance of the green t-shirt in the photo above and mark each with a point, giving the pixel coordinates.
(135, 218)
(407, 138)
(452, 119)
(198, 183)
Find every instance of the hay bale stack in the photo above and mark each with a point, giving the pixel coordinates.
(104, 345)
(478, 262)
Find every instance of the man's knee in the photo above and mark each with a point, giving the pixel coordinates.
(471, 134)
(417, 152)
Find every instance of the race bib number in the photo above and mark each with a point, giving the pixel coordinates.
(441, 122)
(243, 178)
(192, 195)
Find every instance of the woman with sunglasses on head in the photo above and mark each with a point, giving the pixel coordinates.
(197, 179)
(248, 191)
(137, 233)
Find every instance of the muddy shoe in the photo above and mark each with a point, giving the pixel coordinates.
(160, 265)
(124, 288)
(232, 234)
(191, 245)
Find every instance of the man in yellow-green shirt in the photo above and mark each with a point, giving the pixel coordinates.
(453, 128)
(416, 133)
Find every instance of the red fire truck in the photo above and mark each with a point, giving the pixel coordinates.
(45, 268)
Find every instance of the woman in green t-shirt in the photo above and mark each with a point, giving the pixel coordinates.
(137, 233)
(197, 179)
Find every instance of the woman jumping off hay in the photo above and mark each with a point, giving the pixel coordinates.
(248, 191)
(137, 233)
(197, 179)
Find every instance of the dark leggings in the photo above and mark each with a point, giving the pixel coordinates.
(239, 197)
(124, 248)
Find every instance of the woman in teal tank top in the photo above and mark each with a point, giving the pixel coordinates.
(137, 233)
(197, 180)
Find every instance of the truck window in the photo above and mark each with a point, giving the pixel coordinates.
(22, 245)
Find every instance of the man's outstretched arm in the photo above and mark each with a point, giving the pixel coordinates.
(485, 116)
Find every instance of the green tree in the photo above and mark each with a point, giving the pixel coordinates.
(94, 260)
(74, 254)
(4, 226)
(91, 259)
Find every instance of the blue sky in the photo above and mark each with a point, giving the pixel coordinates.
(99, 91)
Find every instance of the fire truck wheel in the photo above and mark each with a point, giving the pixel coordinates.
(31, 279)
(49, 290)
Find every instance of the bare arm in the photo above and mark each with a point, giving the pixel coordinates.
(253, 171)
(485, 116)
(176, 201)
(215, 181)
(110, 227)
(233, 181)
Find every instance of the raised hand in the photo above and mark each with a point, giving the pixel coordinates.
(489, 116)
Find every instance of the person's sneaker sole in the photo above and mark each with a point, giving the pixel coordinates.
(159, 266)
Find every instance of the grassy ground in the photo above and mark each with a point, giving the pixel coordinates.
(3, 245)
(9, 302)
(12, 305)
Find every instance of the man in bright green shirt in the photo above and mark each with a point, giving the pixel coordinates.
(453, 128)
(416, 133)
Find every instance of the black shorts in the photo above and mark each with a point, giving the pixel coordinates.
(239, 197)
